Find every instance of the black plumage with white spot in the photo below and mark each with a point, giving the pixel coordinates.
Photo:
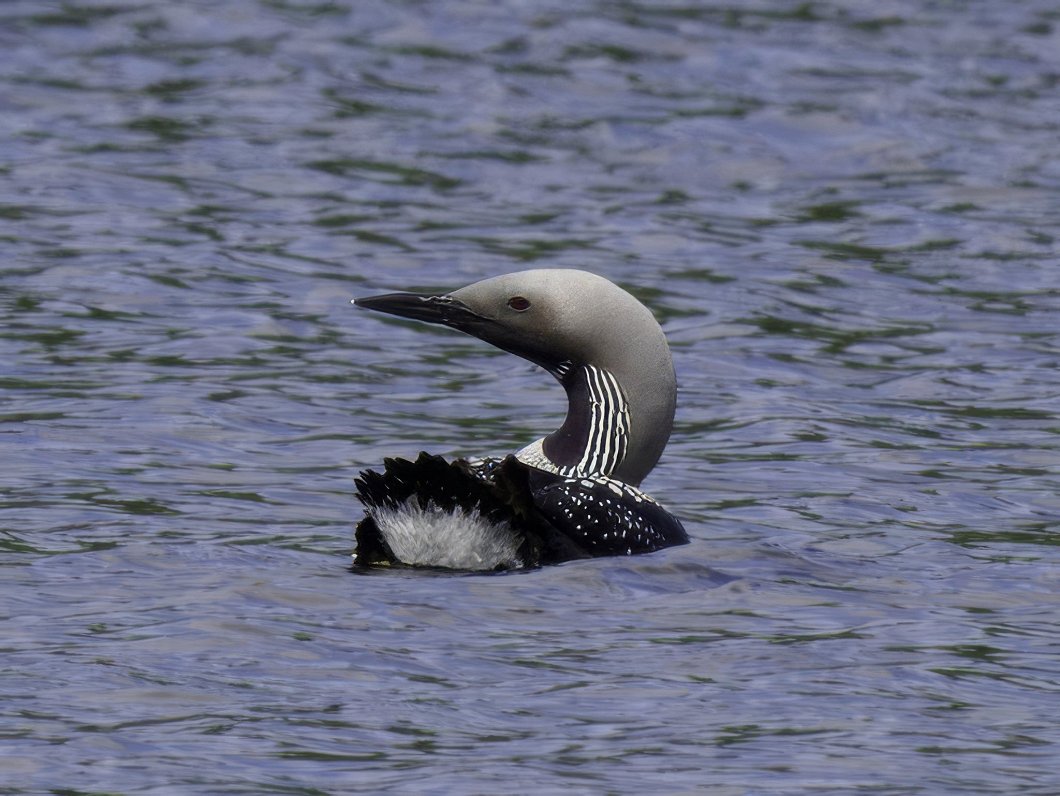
(554, 518)
(604, 517)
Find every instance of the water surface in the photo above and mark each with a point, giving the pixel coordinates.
(845, 215)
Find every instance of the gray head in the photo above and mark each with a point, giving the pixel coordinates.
(563, 320)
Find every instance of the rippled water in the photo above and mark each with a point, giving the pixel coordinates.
(846, 214)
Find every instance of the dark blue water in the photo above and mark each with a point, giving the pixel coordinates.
(846, 216)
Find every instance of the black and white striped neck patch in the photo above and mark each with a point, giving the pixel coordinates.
(608, 418)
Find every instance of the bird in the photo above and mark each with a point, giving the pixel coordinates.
(572, 494)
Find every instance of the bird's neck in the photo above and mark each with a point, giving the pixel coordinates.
(595, 435)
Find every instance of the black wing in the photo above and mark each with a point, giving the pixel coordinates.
(604, 517)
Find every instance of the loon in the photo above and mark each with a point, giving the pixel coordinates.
(572, 494)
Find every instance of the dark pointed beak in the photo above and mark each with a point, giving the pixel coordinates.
(449, 311)
(444, 310)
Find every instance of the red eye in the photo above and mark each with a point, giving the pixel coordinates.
(519, 304)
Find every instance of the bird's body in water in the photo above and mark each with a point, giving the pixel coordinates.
(571, 494)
